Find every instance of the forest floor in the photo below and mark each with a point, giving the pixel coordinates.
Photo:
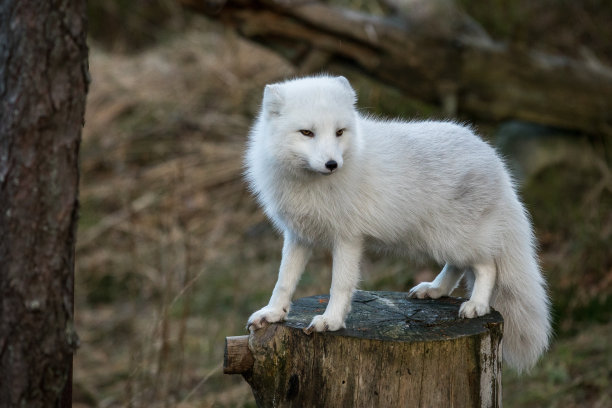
(173, 253)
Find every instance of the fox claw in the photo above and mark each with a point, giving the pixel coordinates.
(471, 309)
(425, 290)
(257, 325)
(266, 316)
(322, 323)
(312, 328)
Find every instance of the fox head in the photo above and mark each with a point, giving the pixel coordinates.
(310, 124)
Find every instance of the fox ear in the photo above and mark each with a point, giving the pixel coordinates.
(272, 99)
(348, 87)
(344, 81)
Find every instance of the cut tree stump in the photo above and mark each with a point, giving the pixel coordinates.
(394, 352)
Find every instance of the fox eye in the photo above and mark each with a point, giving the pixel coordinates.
(340, 132)
(307, 132)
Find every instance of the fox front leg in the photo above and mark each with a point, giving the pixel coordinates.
(293, 262)
(345, 276)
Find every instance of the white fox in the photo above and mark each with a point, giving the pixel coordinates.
(328, 176)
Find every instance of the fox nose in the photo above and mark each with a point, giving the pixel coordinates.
(331, 165)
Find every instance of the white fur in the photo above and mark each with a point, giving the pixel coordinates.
(428, 189)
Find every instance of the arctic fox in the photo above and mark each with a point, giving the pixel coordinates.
(328, 176)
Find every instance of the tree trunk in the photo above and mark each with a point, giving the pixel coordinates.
(395, 352)
(43, 85)
(458, 67)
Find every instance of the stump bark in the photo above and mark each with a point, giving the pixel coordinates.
(394, 352)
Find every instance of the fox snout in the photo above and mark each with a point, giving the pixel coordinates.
(331, 165)
(326, 164)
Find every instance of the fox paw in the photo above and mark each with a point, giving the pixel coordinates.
(321, 323)
(265, 316)
(426, 290)
(471, 309)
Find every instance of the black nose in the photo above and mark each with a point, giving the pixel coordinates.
(331, 165)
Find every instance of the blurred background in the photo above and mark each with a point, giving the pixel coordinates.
(173, 253)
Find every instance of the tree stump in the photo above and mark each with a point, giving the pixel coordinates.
(394, 352)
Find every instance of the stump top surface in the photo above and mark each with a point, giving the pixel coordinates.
(394, 316)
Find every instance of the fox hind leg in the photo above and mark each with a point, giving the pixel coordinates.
(442, 285)
(482, 280)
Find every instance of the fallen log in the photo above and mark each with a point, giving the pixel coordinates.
(394, 352)
(465, 72)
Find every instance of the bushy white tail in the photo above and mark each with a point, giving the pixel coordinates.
(521, 297)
